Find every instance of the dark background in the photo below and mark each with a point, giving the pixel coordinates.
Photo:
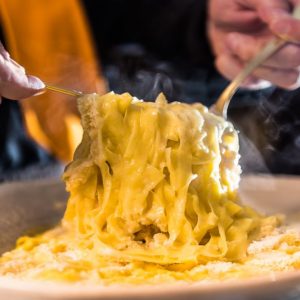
(152, 46)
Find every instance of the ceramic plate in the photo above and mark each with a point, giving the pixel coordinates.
(40, 205)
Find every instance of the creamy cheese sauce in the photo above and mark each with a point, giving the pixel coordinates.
(153, 198)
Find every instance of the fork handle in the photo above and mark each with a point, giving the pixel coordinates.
(62, 90)
(223, 101)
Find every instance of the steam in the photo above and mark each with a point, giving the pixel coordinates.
(282, 112)
(263, 138)
(251, 159)
(271, 123)
(147, 85)
(144, 84)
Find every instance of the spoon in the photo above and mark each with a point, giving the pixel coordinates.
(221, 106)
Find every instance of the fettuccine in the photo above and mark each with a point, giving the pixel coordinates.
(152, 184)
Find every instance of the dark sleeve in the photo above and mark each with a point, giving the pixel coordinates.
(169, 29)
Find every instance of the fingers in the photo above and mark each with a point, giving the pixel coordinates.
(270, 10)
(14, 83)
(236, 42)
(286, 27)
(232, 15)
(287, 79)
(245, 47)
(278, 15)
(230, 66)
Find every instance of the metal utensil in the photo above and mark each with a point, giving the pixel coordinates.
(221, 105)
(63, 90)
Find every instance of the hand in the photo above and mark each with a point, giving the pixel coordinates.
(238, 29)
(14, 83)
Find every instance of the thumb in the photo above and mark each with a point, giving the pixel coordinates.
(15, 83)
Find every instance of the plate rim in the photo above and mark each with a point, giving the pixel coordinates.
(56, 290)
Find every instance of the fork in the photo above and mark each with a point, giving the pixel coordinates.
(221, 106)
(63, 90)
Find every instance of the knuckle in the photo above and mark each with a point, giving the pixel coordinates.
(244, 52)
(6, 77)
(221, 64)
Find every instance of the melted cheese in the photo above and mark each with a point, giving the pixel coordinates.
(153, 191)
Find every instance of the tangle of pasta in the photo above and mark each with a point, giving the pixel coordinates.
(152, 183)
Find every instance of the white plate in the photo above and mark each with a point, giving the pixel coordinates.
(268, 194)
